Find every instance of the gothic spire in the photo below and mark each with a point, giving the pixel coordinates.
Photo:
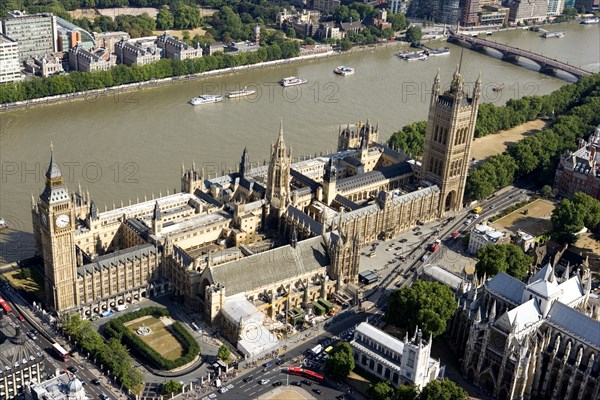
(53, 169)
(156, 213)
(93, 210)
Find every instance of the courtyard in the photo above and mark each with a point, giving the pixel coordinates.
(159, 338)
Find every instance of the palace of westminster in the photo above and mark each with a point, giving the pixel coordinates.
(269, 238)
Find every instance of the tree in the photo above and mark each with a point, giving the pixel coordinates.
(186, 17)
(428, 305)
(381, 391)
(224, 353)
(410, 139)
(570, 216)
(442, 390)
(345, 44)
(340, 361)
(546, 191)
(171, 387)
(398, 21)
(405, 392)
(164, 19)
(509, 258)
(414, 34)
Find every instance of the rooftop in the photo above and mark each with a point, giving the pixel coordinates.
(276, 265)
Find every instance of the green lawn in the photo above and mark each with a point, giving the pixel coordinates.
(160, 339)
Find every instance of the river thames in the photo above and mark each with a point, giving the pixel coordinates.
(130, 145)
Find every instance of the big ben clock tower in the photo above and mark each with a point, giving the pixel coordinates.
(54, 222)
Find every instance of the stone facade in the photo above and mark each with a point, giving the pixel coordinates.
(530, 341)
(45, 66)
(579, 171)
(84, 60)
(137, 53)
(399, 362)
(173, 48)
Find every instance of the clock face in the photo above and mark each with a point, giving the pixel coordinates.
(62, 220)
(44, 220)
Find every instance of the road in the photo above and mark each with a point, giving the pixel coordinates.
(86, 372)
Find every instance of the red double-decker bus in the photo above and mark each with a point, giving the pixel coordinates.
(305, 373)
(60, 352)
(313, 375)
(7, 309)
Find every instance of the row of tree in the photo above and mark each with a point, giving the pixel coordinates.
(434, 390)
(116, 329)
(70, 5)
(571, 216)
(113, 356)
(122, 74)
(538, 155)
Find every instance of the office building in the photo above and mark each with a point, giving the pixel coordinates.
(36, 34)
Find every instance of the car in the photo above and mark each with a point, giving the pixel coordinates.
(223, 390)
(418, 233)
(95, 381)
(280, 362)
(248, 379)
(403, 240)
(104, 396)
(72, 370)
(476, 216)
(21, 318)
(425, 257)
(318, 391)
(263, 381)
(267, 364)
(32, 335)
(492, 207)
(94, 318)
(341, 397)
(296, 383)
(278, 383)
(307, 382)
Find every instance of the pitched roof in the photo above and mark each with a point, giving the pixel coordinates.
(304, 219)
(543, 274)
(572, 289)
(576, 323)
(380, 337)
(521, 317)
(113, 259)
(263, 269)
(381, 175)
(506, 287)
